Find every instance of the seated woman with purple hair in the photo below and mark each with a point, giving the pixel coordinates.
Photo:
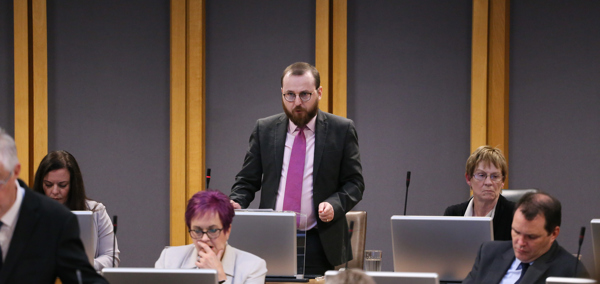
(208, 217)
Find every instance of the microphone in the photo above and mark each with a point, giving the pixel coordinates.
(581, 234)
(350, 231)
(406, 195)
(207, 177)
(114, 239)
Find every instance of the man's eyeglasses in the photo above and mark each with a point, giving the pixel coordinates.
(211, 233)
(304, 96)
(483, 176)
(3, 182)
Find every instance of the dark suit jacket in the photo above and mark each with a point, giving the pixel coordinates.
(494, 259)
(337, 173)
(503, 217)
(46, 245)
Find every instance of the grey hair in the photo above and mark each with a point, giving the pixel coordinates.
(8, 151)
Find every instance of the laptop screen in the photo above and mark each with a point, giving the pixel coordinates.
(268, 235)
(445, 245)
(87, 233)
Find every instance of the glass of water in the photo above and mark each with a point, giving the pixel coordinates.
(372, 260)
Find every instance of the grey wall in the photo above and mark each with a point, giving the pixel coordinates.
(7, 67)
(247, 49)
(108, 104)
(555, 108)
(409, 96)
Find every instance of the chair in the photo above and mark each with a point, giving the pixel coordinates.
(359, 237)
(567, 280)
(515, 194)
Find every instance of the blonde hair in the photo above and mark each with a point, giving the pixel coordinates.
(488, 155)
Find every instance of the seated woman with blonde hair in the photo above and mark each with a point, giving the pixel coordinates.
(208, 217)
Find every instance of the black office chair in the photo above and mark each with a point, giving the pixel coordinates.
(515, 194)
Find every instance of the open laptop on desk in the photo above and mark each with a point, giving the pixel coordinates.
(383, 277)
(272, 237)
(441, 244)
(159, 276)
(87, 233)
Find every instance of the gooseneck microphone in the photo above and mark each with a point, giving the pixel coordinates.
(581, 234)
(349, 247)
(207, 177)
(406, 195)
(114, 238)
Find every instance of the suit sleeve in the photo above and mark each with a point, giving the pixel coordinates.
(248, 180)
(472, 276)
(71, 256)
(350, 182)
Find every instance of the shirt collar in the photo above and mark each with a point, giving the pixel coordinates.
(471, 210)
(10, 217)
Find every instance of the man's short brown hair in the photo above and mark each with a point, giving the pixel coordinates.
(299, 69)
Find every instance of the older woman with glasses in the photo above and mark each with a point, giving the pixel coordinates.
(208, 217)
(485, 173)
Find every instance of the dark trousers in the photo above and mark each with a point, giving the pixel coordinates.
(316, 260)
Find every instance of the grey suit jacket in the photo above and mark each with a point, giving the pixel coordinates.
(337, 173)
(494, 259)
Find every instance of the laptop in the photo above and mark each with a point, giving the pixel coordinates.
(269, 235)
(159, 276)
(87, 233)
(568, 280)
(383, 277)
(595, 226)
(444, 245)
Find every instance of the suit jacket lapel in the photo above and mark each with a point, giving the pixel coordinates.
(540, 266)
(499, 267)
(27, 221)
(276, 136)
(320, 138)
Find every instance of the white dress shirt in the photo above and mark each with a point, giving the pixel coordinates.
(471, 210)
(512, 275)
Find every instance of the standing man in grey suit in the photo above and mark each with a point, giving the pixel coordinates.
(306, 161)
(39, 237)
(533, 254)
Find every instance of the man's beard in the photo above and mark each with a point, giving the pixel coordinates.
(301, 119)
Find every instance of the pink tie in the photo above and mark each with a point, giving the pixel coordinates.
(293, 185)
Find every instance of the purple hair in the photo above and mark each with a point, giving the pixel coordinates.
(210, 201)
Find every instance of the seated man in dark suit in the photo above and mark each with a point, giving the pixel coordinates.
(533, 254)
(39, 237)
(485, 173)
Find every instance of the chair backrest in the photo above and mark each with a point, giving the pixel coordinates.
(515, 194)
(567, 280)
(358, 240)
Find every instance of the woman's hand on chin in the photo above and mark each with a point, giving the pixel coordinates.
(208, 259)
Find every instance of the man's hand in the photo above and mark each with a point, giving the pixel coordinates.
(325, 212)
(235, 204)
